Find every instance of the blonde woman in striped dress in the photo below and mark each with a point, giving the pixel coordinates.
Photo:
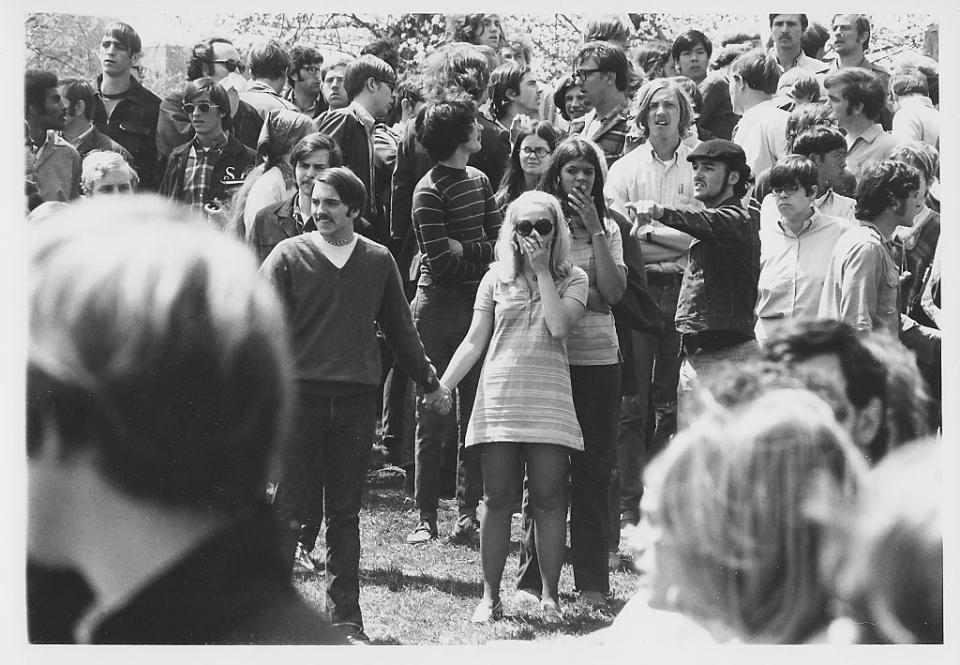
(523, 419)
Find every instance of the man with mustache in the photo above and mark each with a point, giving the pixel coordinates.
(786, 32)
(312, 155)
(336, 286)
(715, 314)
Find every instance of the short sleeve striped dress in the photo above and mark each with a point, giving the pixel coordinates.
(524, 392)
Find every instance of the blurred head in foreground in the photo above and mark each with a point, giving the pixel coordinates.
(726, 541)
(885, 553)
(158, 372)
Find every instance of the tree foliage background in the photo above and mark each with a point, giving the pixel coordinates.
(67, 43)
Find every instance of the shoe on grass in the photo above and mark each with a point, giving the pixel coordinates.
(613, 561)
(354, 634)
(593, 599)
(485, 612)
(551, 611)
(424, 533)
(467, 531)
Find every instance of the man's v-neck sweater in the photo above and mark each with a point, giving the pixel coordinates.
(332, 315)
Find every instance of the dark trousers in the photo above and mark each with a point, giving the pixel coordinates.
(442, 316)
(324, 469)
(648, 418)
(596, 398)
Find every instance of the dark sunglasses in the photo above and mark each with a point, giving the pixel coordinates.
(543, 226)
(232, 65)
(203, 107)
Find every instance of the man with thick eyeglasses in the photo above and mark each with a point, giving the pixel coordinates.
(204, 172)
(123, 109)
(269, 66)
(603, 72)
(218, 59)
(369, 84)
(303, 81)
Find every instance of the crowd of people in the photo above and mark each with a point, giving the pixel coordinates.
(688, 296)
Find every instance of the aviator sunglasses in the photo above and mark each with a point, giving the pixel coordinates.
(543, 226)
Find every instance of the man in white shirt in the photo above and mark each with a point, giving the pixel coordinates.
(786, 31)
(794, 248)
(915, 119)
(856, 96)
(762, 130)
(657, 170)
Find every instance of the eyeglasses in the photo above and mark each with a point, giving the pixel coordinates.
(582, 74)
(232, 65)
(543, 226)
(203, 107)
(539, 152)
(311, 69)
(789, 190)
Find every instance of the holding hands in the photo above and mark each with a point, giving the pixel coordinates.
(440, 400)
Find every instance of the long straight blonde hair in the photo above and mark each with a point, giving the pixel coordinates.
(507, 251)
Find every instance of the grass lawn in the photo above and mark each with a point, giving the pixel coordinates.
(425, 594)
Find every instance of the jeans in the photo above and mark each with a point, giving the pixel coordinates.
(442, 316)
(649, 418)
(596, 398)
(325, 465)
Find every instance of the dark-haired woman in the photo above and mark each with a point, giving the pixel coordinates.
(575, 177)
(528, 161)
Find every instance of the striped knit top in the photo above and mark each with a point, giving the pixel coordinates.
(458, 204)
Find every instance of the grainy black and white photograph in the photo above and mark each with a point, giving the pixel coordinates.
(428, 329)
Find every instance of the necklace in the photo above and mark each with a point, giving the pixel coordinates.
(338, 243)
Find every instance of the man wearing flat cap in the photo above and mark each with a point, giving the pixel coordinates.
(715, 314)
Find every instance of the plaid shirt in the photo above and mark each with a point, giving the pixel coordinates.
(616, 134)
(199, 173)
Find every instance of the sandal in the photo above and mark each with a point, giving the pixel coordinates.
(551, 611)
(486, 613)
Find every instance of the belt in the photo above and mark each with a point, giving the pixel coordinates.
(711, 340)
(664, 278)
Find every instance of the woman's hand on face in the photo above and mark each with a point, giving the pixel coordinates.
(537, 252)
(586, 209)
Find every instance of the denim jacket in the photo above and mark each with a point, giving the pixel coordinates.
(719, 290)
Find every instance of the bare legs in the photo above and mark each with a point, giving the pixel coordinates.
(503, 468)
